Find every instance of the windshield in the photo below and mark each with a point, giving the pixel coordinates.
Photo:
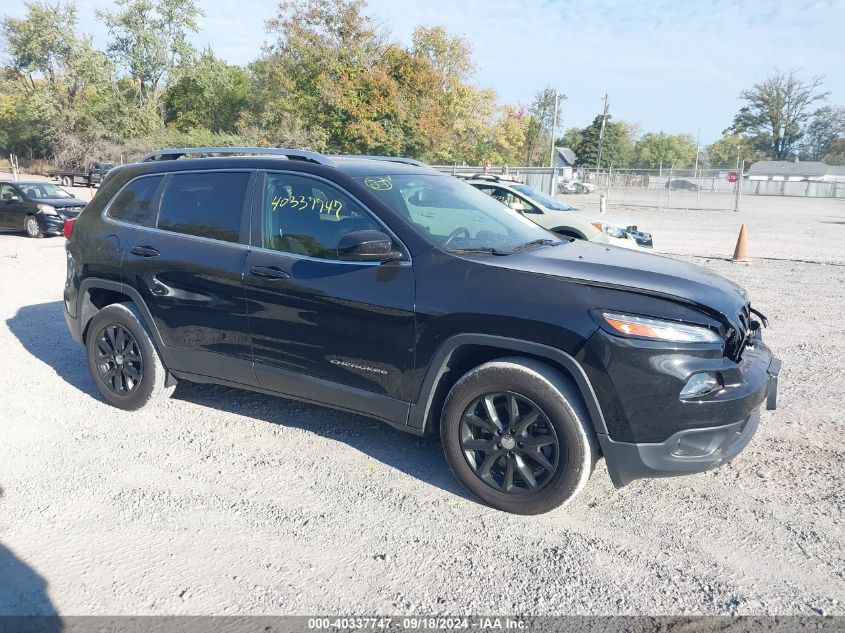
(44, 191)
(456, 216)
(543, 198)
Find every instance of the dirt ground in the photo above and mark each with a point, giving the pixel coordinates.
(225, 502)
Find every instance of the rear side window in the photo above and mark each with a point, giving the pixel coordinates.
(204, 204)
(134, 203)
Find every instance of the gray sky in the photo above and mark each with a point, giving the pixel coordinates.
(674, 66)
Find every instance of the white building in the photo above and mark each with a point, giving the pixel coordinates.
(796, 171)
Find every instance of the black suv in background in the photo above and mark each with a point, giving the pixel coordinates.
(385, 288)
(39, 208)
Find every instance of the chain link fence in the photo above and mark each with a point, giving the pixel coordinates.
(712, 188)
(541, 178)
(717, 188)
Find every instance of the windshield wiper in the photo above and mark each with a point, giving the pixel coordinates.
(541, 242)
(487, 250)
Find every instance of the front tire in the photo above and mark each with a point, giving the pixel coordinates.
(122, 359)
(33, 230)
(516, 434)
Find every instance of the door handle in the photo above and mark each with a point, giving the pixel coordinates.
(269, 272)
(144, 251)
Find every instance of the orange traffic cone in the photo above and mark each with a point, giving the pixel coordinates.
(741, 250)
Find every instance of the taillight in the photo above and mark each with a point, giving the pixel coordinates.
(68, 228)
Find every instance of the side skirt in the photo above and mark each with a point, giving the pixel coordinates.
(322, 393)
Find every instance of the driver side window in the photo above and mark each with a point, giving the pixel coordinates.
(514, 201)
(303, 216)
(7, 192)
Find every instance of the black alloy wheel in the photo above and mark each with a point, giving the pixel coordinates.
(509, 443)
(118, 359)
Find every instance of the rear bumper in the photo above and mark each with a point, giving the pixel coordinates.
(689, 450)
(73, 324)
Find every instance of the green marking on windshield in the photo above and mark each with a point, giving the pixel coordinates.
(379, 183)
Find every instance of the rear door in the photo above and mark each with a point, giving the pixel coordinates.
(188, 268)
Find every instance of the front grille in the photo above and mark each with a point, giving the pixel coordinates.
(738, 336)
(71, 212)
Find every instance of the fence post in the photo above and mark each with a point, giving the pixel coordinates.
(738, 204)
(669, 187)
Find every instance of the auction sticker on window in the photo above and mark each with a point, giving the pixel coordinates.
(379, 183)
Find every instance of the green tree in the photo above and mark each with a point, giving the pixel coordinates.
(208, 93)
(617, 145)
(669, 150)
(730, 150)
(321, 82)
(539, 132)
(775, 112)
(148, 40)
(823, 133)
(57, 84)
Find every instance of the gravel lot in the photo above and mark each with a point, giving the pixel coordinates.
(224, 502)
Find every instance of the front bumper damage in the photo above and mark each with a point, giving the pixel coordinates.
(693, 450)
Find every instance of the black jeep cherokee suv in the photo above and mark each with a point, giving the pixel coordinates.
(383, 287)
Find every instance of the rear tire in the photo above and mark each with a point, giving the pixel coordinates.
(33, 230)
(520, 470)
(122, 359)
(66, 181)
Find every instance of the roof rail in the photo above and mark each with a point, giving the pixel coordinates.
(290, 154)
(390, 159)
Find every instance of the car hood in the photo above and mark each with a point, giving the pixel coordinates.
(610, 266)
(61, 203)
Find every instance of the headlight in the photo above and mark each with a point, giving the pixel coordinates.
(658, 329)
(46, 209)
(612, 231)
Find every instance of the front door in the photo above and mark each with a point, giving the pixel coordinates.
(318, 322)
(188, 268)
(11, 211)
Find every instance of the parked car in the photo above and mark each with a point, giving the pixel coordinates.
(681, 184)
(561, 218)
(574, 186)
(567, 186)
(89, 176)
(39, 208)
(391, 290)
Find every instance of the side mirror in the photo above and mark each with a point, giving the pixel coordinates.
(14, 198)
(366, 246)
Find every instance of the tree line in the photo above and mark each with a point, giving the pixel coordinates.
(329, 79)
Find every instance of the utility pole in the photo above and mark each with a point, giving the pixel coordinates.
(697, 145)
(601, 139)
(554, 127)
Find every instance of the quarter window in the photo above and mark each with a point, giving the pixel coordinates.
(204, 204)
(308, 217)
(134, 203)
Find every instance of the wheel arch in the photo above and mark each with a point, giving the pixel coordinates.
(569, 231)
(462, 352)
(95, 294)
